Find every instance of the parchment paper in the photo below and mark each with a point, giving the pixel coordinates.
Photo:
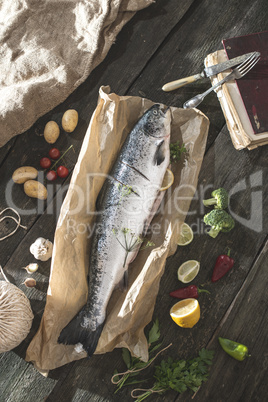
(128, 313)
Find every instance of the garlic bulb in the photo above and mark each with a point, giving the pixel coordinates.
(41, 249)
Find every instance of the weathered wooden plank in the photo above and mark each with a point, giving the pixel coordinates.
(89, 379)
(182, 54)
(45, 227)
(245, 321)
(84, 103)
(245, 245)
(4, 151)
(226, 167)
(119, 69)
(20, 381)
(12, 195)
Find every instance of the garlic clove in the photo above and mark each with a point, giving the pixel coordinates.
(29, 282)
(42, 249)
(31, 268)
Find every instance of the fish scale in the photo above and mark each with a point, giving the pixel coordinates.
(125, 207)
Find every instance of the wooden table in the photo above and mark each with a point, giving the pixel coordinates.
(166, 41)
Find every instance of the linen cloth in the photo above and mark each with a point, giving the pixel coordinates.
(48, 48)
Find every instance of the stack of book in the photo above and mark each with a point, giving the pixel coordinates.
(244, 102)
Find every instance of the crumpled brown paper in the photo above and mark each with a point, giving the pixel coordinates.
(128, 313)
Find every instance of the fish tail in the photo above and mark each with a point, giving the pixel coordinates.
(78, 331)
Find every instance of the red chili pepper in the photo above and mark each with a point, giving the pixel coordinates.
(191, 291)
(223, 264)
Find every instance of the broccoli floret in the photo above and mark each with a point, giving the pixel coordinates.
(220, 199)
(220, 221)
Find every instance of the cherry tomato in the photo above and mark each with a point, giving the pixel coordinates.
(54, 153)
(62, 171)
(51, 175)
(45, 163)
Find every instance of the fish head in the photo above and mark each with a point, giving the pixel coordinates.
(156, 121)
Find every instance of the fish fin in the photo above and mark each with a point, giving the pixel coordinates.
(75, 333)
(159, 156)
(122, 285)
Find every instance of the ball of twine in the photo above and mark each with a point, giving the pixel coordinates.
(16, 316)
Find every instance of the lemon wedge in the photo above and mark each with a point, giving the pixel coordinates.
(186, 235)
(185, 313)
(168, 180)
(188, 271)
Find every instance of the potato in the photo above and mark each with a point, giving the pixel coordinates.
(24, 173)
(51, 132)
(69, 120)
(35, 189)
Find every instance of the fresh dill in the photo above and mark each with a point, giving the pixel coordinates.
(129, 241)
(124, 190)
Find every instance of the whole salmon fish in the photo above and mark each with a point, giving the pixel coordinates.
(126, 205)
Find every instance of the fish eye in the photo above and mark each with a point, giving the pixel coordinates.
(155, 112)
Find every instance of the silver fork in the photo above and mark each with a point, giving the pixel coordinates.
(237, 73)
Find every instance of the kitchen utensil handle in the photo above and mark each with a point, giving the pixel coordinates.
(193, 102)
(196, 100)
(170, 86)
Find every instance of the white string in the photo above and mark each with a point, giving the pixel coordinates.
(18, 222)
(2, 272)
(16, 316)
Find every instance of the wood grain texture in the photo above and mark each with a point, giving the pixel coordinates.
(4, 151)
(243, 322)
(245, 246)
(118, 70)
(183, 52)
(168, 40)
(20, 381)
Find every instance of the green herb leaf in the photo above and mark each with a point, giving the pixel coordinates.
(116, 378)
(176, 151)
(206, 355)
(154, 333)
(179, 375)
(126, 357)
(154, 348)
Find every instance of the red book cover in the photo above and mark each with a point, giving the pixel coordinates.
(253, 86)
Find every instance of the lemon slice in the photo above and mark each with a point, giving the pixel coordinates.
(186, 235)
(186, 313)
(168, 180)
(188, 271)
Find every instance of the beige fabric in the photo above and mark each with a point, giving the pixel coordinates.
(128, 313)
(48, 48)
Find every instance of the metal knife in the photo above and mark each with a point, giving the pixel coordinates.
(206, 73)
